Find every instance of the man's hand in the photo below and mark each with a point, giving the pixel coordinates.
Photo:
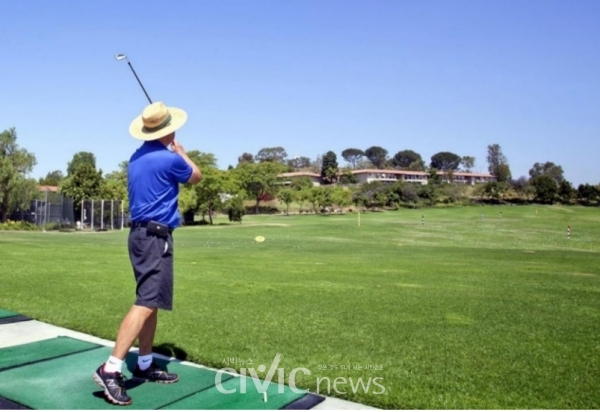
(196, 173)
(177, 148)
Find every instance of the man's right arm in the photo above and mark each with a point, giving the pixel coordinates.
(196, 173)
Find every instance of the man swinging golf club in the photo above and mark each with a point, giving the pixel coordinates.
(154, 175)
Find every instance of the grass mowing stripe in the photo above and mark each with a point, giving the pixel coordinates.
(40, 351)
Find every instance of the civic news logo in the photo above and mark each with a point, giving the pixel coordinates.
(327, 385)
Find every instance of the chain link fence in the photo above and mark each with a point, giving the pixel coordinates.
(102, 215)
(50, 210)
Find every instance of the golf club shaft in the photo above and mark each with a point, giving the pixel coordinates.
(138, 79)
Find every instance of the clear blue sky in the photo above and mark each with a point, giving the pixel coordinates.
(310, 76)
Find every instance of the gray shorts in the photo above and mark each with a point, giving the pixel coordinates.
(151, 257)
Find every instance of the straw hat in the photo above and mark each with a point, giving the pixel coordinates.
(156, 121)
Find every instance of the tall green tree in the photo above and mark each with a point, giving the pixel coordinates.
(445, 161)
(114, 185)
(53, 178)
(80, 158)
(467, 163)
(286, 196)
(587, 193)
(546, 188)
(353, 156)
(215, 189)
(497, 163)
(329, 168)
(202, 159)
(259, 179)
(246, 158)
(271, 154)
(549, 169)
(85, 182)
(15, 164)
(377, 155)
(405, 158)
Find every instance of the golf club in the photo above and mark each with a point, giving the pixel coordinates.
(120, 57)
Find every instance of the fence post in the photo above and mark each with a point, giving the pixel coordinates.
(82, 214)
(92, 218)
(122, 216)
(102, 214)
(112, 207)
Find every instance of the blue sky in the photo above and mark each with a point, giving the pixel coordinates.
(310, 76)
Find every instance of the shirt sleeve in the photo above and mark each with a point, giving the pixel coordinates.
(180, 170)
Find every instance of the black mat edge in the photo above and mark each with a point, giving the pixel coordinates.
(306, 402)
(13, 319)
(5, 404)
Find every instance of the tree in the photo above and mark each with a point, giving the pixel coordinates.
(215, 188)
(316, 164)
(445, 161)
(52, 178)
(302, 182)
(246, 158)
(405, 158)
(235, 208)
(299, 162)
(202, 160)
(347, 177)
(503, 174)
(15, 164)
(587, 192)
(497, 163)
(548, 169)
(521, 187)
(259, 179)
(271, 154)
(467, 162)
(329, 167)
(80, 158)
(286, 196)
(85, 182)
(352, 156)
(496, 190)
(566, 192)
(341, 198)
(114, 185)
(377, 155)
(545, 188)
(187, 203)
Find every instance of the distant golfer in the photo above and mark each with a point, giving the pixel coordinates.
(154, 175)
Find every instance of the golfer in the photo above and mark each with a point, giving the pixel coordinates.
(154, 175)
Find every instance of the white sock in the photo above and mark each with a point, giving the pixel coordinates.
(113, 365)
(144, 361)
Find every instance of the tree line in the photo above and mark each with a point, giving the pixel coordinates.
(256, 178)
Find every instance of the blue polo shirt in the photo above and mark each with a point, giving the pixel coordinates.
(153, 178)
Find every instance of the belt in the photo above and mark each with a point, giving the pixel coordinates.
(135, 225)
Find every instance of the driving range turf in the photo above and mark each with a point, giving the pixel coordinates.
(463, 309)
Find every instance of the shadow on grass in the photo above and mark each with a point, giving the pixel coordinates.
(171, 350)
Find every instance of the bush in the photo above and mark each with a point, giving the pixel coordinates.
(20, 225)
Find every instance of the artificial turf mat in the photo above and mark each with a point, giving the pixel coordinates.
(21, 355)
(7, 313)
(6, 316)
(212, 399)
(58, 375)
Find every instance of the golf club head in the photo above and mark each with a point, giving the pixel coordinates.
(120, 56)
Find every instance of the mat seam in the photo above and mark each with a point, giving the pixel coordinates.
(192, 394)
(7, 368)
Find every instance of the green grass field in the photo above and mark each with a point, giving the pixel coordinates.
(456, 312)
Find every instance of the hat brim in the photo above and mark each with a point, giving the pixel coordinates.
(178, 119)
